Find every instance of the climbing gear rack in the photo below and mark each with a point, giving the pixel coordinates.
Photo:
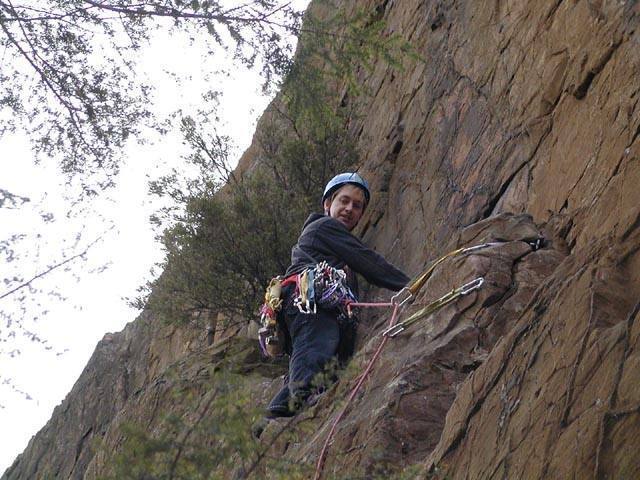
(320, 285)
(324, 286)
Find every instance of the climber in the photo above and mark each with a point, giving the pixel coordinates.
(314, 339)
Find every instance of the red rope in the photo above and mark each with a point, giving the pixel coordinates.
(361, 379)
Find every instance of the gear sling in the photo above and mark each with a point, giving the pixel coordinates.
(318, 285)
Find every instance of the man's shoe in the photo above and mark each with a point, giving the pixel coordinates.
(279, 411)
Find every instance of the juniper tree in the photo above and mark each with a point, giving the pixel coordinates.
(69, 80)
(69, 67)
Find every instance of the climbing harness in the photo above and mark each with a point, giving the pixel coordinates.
(393, 328)
(318, 286)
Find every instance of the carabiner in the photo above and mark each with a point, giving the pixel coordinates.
(406, 290)
(471, 286)
(394, 330)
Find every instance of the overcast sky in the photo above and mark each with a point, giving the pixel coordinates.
(93, 303)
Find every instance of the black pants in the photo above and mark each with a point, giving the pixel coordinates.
(314, 343)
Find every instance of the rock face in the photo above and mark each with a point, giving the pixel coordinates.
(522, 119)
(558, 396)
(123, 365)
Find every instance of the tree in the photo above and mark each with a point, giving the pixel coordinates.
(69, 67)
(223, 246)
(69, 80)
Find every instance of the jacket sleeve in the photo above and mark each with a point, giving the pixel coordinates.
(368, 263)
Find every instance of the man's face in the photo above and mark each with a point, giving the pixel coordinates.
(346, 205)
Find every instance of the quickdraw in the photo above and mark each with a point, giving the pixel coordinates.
(410, 291)
(447, 298)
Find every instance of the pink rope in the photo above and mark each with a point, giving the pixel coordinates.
(350, 305)
(359, 304)
(361, 379)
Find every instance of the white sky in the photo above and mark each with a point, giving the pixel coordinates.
(95, 305)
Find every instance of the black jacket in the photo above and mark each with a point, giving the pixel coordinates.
(325, 238)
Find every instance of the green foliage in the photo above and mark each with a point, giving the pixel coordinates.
(339, 45)
(208, 438)
(223, 244)
(70, 69)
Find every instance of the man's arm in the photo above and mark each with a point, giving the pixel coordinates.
(368, 263)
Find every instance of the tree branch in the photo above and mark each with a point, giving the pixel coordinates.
(53, 267)
(190, 430)
(170, 12)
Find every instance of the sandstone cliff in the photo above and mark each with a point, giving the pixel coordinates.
(522, 121)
